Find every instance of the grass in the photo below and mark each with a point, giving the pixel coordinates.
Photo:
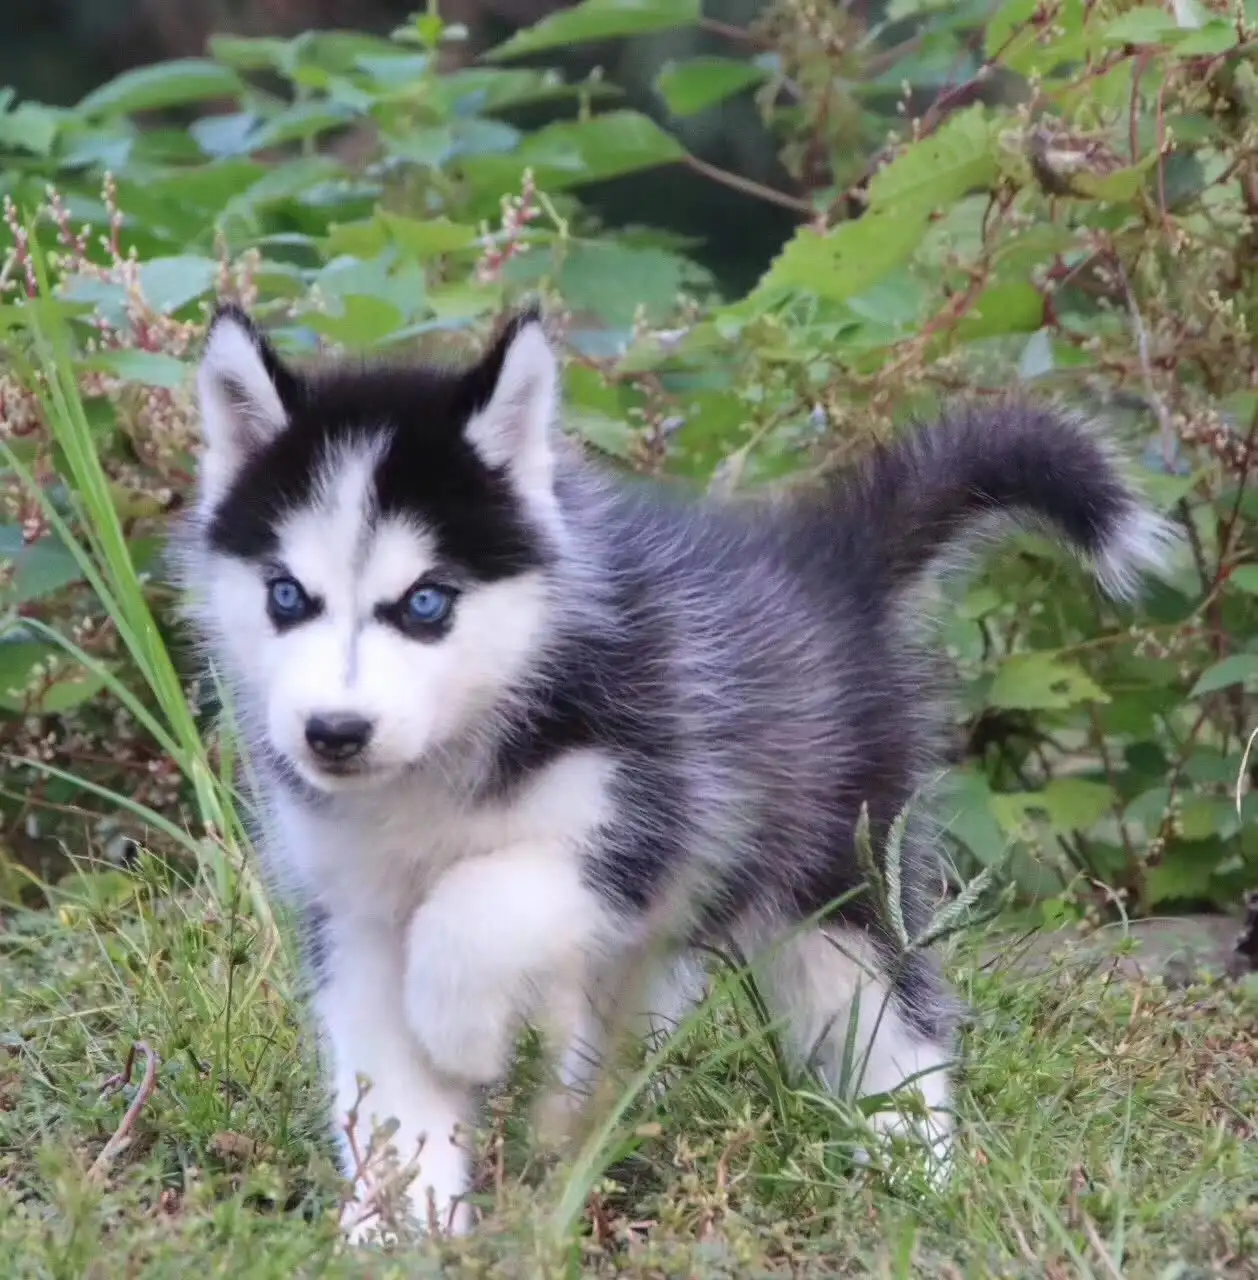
(1106, 1127)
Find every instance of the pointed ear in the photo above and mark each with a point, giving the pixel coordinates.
(246, 394)
(514, 395)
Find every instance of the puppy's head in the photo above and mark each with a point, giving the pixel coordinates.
(373, 545)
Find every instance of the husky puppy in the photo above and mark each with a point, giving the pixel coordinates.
(523, 726)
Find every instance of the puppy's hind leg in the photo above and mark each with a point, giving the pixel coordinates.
(866, 1034)
(643, 998)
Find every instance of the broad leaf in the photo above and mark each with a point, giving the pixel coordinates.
(166, 84)
(171, 283)
(145, 368)
(1042, 682)
(698, 83)
(1238, 669)
(38, 568)
(1068, 804)
(944, 166)
(599, 20)
(842, 263)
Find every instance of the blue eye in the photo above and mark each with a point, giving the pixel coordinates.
(427, 606)
(286, 601)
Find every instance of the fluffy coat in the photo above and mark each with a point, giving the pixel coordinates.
(524, 727)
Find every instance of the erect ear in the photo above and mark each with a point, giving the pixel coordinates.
(246, 394)
(513, 394)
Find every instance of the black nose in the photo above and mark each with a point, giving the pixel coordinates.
(339, 735)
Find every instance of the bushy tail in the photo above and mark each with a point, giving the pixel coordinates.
(923, 504)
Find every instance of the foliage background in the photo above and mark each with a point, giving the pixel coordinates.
(1070, 206)
(769, 234)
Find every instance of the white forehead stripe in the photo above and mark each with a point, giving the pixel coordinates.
(341, 549)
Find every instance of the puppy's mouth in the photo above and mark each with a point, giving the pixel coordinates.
(336, 776)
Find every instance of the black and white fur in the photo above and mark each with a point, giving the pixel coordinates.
(647, 723)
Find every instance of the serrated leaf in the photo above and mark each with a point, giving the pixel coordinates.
(1245, 578)
(601, 147)
(428, 239)
(146, 368)
(363, 321)
(252, 53)
(1142, 25)
(1006, 306)
(165, 84)
(30, 127)
(299, 122)
(599, 20)
(225, 135)
(612, 436)
(18, 659)
(1215, 37)
(1016, 41)
(38, 568)
(171, 283)
(613, 280)
(966, 815)
(842, 263)
(1042, 682)
(698, 83)
(1068, 804)
(1237, 669)
(1182, 875)
(944, 166)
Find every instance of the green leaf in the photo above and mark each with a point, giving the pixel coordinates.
(363, 321)
(1238, 669)
(944, 166)
(842, 263)
(1245, 578)
(1182, 875)
(599, 20)
(1142, 25)
(428, 239)
(612, 435)
(571, 153)
(171, 283)
(299, 122)
(30, 127)
(1041, 681)
(965, 811)
(253, 53)
(1009, 306)
(165, 84)
(612, 280)
(1215, 37)
(38, 568)
(1015, 41)
(18, 660)
(147, 368)
(698, 83)
(1068, 804)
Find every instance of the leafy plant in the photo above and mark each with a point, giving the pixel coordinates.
(1074, 212)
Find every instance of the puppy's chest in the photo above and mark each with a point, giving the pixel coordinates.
(387, 850)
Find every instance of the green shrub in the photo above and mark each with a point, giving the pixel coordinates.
(1076, 212)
